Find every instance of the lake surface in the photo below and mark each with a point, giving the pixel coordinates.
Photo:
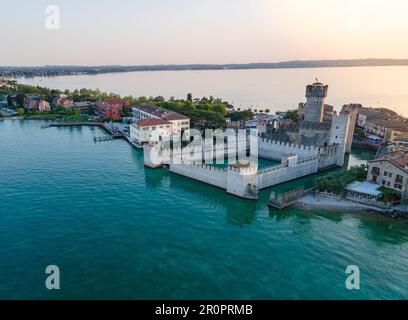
(276, 89)
(119, 230)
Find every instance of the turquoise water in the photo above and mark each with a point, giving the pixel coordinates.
(119, 230)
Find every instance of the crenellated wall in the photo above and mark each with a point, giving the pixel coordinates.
(287, 171)
(205, 173)
(245, 180)
(274, 150)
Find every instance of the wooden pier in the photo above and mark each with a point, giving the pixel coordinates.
(103, 138)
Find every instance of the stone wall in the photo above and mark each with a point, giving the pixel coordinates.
(275, 150)
(287, 171)
(205, 173)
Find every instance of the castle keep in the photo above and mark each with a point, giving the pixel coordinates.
(314, 109)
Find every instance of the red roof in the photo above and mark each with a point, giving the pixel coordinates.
(113, 101)
(151, 122)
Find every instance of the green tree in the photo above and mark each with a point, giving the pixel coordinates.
(20, 111)
(292, 115)
(20, 99)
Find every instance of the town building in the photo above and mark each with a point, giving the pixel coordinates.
(111, 108)
(179, 123)
(383, 123)
(31, 104)
(149, 130)
(105, 110)
(83, 105)
(117, 103)
(63, 100)
(390, 171)
(36, 103)
(44, 106)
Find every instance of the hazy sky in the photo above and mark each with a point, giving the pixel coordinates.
(96, 32)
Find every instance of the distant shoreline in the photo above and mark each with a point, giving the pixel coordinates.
(16, 71)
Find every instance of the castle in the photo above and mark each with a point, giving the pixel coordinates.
(317, 141)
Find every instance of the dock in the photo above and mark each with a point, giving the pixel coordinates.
(103, 138)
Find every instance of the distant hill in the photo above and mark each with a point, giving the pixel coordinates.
(74, 70)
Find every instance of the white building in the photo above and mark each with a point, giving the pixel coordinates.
(150, 130)
(179, 123)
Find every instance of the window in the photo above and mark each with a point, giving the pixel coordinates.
(383, 182)
(398, 186)
(375, 170)
(386, 173)
(399, 179)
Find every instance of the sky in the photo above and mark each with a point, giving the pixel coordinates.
(134, 32)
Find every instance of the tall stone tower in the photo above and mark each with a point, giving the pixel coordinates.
(316, 96)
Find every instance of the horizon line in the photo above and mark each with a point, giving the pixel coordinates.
(277, 63)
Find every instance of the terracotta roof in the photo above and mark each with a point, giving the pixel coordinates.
(398, 160)
(402, 137)
(113, 101)
(151, 122)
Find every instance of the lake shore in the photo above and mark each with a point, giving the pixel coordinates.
(311, 202)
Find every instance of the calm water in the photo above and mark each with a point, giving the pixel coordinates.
(276, 89)
(118, 230)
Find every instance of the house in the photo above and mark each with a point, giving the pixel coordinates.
(31, 104)
(179, 123)
(390, 171)
(43, 105)
(117, 103)
(82, 105)
(37, 104)
(105, 110)
(64, 101)
(150, 130)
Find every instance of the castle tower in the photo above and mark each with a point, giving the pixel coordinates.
(316, 95)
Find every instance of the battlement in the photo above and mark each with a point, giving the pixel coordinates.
(208, 167)
(317, 90)
(288, 144)
(245, 169)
